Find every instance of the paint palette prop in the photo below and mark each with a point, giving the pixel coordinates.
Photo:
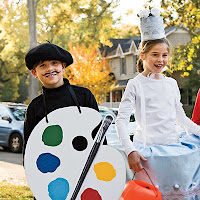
(57, 151)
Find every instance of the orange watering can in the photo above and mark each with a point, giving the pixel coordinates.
(140, 190)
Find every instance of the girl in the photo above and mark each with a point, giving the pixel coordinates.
(196, 111)
(172, 161)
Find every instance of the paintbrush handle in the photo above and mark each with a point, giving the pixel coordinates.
(100, 135)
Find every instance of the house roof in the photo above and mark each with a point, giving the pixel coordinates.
(170, 29)
(125, 44)
(112, 50)
(125, 47)
(197, 30)
(122, 82)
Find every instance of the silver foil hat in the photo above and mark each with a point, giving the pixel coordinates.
(151, 24)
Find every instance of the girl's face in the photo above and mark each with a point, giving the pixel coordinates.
(156, 59)
(50, 73)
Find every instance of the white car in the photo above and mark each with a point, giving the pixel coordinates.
(113, 140)
(132, 123)
(111, 135)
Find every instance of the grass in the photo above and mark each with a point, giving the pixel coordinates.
(14, 192)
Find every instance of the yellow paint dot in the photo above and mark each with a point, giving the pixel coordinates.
(104, 171)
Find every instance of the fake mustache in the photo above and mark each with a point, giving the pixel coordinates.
(53, 72)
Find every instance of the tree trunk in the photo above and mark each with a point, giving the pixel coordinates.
(32, 7)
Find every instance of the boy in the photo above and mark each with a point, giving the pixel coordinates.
(47, 62)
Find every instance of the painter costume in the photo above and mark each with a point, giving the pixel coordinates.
(173, 159)
(53, 98)
(63, 157)
(34, 115)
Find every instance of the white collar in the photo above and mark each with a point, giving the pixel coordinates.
(153, 75)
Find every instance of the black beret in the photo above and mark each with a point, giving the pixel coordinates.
(47, 51)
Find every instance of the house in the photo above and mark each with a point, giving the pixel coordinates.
(123, 56)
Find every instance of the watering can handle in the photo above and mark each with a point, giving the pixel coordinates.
(149, 179)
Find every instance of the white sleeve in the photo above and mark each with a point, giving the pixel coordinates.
(123, 117)
(182, 119)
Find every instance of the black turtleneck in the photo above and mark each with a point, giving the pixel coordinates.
(55, 98)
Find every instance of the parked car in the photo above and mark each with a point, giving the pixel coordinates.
(111, 135)
(11, 126)
(105, 111)
(132, 123)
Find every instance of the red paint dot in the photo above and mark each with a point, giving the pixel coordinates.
(90, 194)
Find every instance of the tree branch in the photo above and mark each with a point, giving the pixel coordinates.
(104, 9)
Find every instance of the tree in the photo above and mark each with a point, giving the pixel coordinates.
(184, 12)
(32, 7)
(10, 88)
(83, 22)
(13, 37)
(58, 21)
(23, 89)
(185, 58)
(90, 71)
(127, 31)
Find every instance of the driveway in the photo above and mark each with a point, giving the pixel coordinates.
(11, 169)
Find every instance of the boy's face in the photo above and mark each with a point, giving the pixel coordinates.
(50, 73)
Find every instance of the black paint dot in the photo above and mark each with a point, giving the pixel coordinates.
(79, 143)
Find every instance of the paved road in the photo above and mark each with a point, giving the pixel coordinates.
(11, 169)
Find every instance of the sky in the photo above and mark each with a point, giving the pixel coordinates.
(136, 6)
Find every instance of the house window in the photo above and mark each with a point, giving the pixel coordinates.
(134, 64)
(123, 65)
(117, 95)
(136, 59)
(186, 96)
(108, 97)
(110, 63)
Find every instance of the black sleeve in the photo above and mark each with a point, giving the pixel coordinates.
(92, 102)
(94, 105)
(28, 127)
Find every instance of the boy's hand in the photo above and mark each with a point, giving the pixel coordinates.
(134, 160)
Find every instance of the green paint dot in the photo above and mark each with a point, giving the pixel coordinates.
(52, 135)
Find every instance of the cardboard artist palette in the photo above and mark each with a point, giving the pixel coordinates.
(56, 153)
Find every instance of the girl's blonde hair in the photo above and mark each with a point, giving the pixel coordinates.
(145, 47)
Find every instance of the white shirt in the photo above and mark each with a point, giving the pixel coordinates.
(157, 109)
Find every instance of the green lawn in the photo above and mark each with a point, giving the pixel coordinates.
(14, 192)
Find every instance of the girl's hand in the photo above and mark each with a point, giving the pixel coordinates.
(134, 160)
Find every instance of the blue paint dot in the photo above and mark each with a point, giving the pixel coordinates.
(47, 162)
(58, 189)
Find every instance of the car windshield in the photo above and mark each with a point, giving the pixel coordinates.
(18, 112)
(132, 117)
(106, 112)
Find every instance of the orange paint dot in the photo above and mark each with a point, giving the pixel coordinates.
(104, 171)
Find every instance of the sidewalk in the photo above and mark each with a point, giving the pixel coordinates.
(12, 173)
(11, 169)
